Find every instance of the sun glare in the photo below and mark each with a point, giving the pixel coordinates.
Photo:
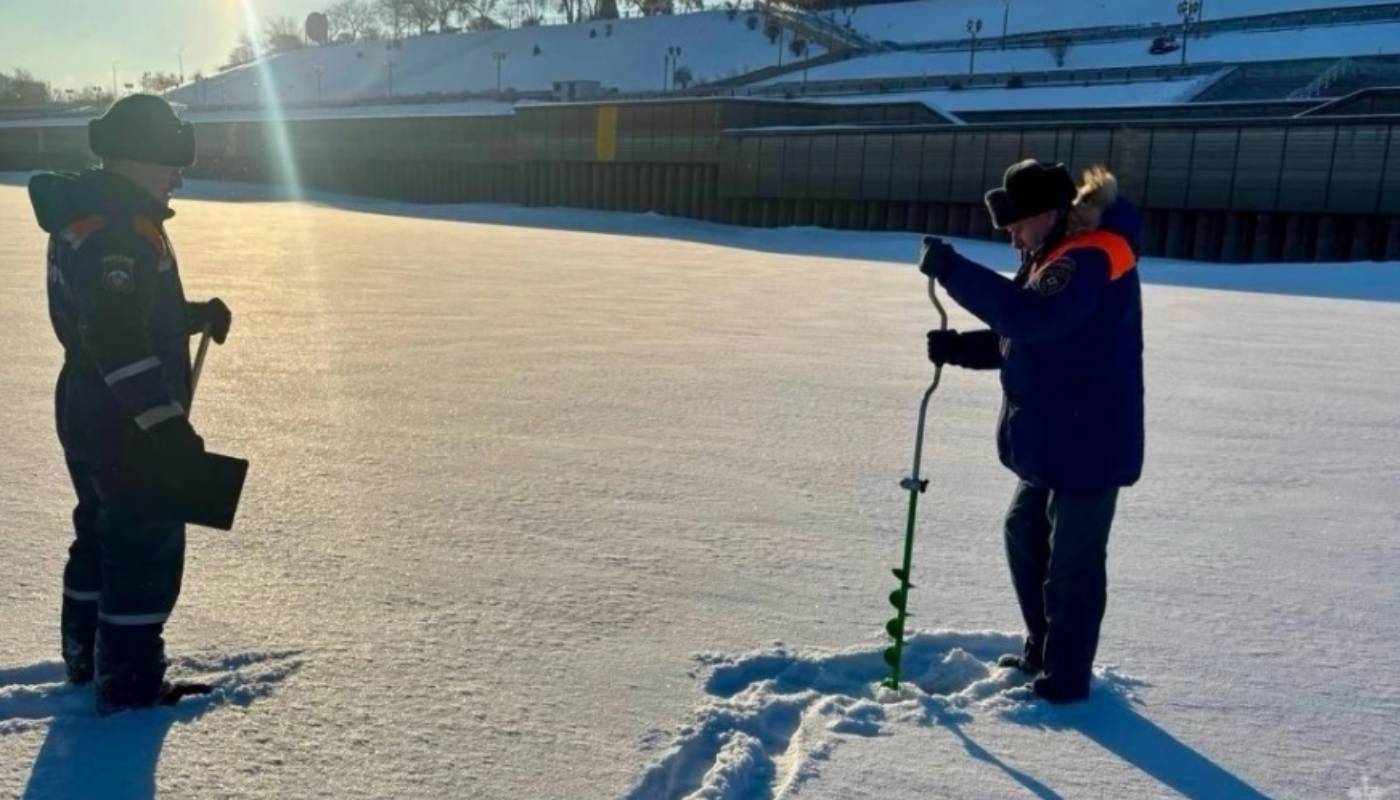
(271, 101)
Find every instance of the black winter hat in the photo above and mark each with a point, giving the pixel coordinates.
(142, 127)
(1030, 187)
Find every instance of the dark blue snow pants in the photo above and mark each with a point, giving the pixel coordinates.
(120, 584)
(1057, 546)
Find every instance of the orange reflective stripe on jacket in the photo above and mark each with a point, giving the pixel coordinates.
(151, 234)
(1121, 259)
(77, 232)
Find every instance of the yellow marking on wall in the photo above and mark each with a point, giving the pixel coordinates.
(605, 142)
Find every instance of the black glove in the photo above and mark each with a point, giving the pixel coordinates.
(944, 347)
(172, 441)
(152, 461)
(213, 314)
(936, 257)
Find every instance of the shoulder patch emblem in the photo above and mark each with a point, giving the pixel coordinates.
(117, 273)
(1054, 278)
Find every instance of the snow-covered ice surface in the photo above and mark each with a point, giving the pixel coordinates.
(535, 494)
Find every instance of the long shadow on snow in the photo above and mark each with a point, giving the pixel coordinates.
(1111, 721)
(981, 753)
(1343, 281)
(115, 758)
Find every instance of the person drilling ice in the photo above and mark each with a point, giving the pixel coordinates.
(119, 311)
(1066, 334)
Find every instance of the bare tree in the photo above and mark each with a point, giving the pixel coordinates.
(530, 11)
(654, 7)
(420, 13)
(23, 89)
(157, 82)
(281, 34)
(350, 17)
(480, 8)
(442, 11)
(242, 53)
(395, 14)
(576, 10)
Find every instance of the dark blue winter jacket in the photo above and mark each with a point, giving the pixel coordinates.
(118, 308)
(1067, 334)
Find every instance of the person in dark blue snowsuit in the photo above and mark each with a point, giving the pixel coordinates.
(119, 311)
(1066, 334)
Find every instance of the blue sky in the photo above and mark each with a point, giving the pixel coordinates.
(73, 43)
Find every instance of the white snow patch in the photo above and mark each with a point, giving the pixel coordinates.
(777, 713)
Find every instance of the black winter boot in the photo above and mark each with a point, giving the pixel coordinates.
(114, 699)
(1054, 691)
(130, 667)
(1018, 661)
(79, 634)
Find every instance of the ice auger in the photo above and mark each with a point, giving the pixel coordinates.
(916, 486)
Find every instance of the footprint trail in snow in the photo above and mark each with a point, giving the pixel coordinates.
(777, 714)
(38, 695)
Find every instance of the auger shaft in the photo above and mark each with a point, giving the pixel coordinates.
(916, 486)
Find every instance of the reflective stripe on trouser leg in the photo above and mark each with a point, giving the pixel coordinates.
(142, 566)
(82, 578)
(158, 618)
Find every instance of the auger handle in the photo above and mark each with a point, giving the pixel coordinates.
(199, 361)
(937, 376)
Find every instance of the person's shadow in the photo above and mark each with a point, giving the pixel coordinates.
(981, 753)
(1111, 720)
(113, 758)
(86, 756)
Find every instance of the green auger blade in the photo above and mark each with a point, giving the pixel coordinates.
(895, 628)
(889, 683)
(901, 574)
(892, 657)
(899, 598)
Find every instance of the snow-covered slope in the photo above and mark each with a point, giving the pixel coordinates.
(632, 58)
(534, 492)
(1235, 47)
(934, 20)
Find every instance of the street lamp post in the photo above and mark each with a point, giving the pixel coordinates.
(180, 57)
(1189, 10)
(499, 56)
(1005, 20)
(114, 80)
(668, 65)
(974, 27)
